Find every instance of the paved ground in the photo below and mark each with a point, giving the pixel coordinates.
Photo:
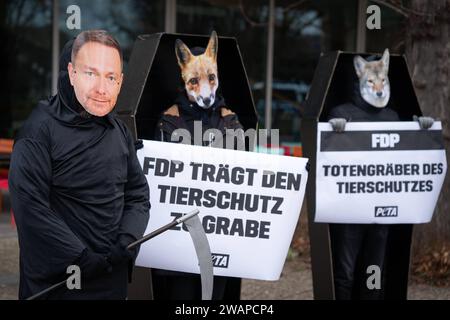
(9, 261)
(295, 282)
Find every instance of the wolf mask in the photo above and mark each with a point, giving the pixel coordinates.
(373, 80)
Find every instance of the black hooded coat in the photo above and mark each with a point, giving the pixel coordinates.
(75, 184)
(356, 246)
(358, 110)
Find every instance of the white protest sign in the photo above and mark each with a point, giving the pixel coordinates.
(378, 172)
(249, 206)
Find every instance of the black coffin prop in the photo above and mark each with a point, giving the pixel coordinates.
(151, 85)
(153, 80)
(333, 80)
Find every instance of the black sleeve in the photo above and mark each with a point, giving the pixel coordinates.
(47, 243)
(166, 126)
(137, 198)
(161, 133)
(231, 121)
(337, 112)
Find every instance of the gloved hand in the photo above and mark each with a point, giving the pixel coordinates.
(119, 253)
(338, 124)
(424, 122)
(92, 264)
(138, 144)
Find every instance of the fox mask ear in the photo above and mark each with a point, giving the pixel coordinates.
(213, 44)
(182, 52)
(359, 64)
(385, 60)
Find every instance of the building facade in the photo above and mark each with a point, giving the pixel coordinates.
(280, 42)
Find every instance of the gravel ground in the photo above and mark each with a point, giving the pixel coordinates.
(295, 282)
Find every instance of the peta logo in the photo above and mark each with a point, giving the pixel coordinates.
(220, 260)
(385, 140)
(386, 211)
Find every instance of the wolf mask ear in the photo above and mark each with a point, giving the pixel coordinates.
(359, 64)
(213, 44)
(385, 60)
(183, 53)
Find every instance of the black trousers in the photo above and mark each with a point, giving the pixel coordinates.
(354, 248)
(171, 285)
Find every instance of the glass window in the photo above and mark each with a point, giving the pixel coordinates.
(124, 19)
(26, 59)
(303, 29)
(391, 35)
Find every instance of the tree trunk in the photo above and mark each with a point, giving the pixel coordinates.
(428, 55)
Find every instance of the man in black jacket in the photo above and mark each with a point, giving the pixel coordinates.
(79, 195)
(357, 246)
(171, 285)
(181, 118)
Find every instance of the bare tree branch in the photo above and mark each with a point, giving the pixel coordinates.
(398, 7)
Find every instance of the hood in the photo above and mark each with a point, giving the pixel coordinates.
(358, 100)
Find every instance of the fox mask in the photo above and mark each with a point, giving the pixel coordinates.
(199, 72)
(373, 80)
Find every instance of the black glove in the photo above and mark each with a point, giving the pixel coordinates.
(119, 253)
(338, 124)
(424, 122)
(138, 144)
(93, 264)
